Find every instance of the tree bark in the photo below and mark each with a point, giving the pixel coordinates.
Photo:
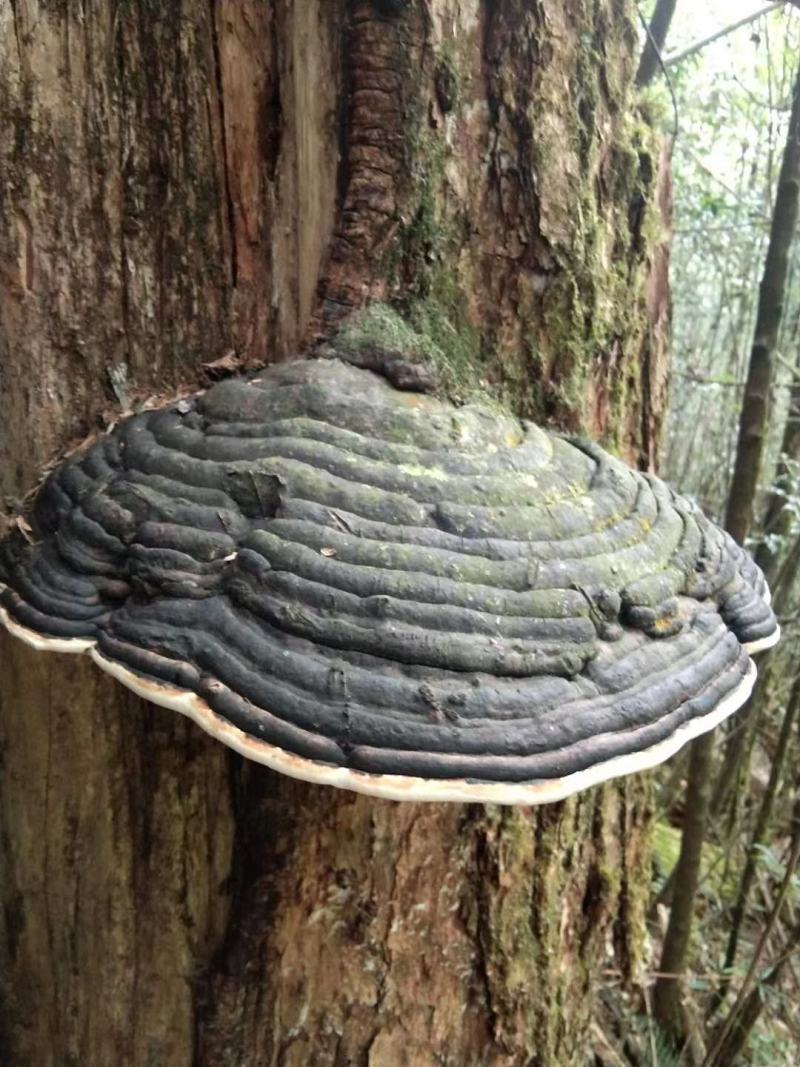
(185, 182)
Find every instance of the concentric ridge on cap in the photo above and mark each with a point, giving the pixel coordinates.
(381, 591)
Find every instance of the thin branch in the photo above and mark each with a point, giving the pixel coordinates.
(755, 217)
(678, 57)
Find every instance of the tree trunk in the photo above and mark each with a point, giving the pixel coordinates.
(653, 51)
(778, 519)
(668, 991)
(754, 419)
(191, 181)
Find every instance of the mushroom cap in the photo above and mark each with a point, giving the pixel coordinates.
(381, 591)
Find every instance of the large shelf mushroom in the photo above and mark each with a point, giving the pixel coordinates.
(375, 589)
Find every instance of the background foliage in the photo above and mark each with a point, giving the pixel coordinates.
(727, 108)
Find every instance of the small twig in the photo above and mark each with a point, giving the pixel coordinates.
(699, 379)
(792, 367)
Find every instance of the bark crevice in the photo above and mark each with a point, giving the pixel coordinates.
(219, 98)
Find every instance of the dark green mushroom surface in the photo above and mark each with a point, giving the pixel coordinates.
(376, 589)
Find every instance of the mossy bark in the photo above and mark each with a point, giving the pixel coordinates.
(185, 182)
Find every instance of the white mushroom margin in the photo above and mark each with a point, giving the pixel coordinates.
(398, 786)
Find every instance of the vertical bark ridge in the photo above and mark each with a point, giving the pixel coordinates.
(219, 100)
(116, 835)
(383, 79)
(365, 931)
(654, 354)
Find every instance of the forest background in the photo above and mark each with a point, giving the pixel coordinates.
(727, 107)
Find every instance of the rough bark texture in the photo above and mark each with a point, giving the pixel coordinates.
(191, 181)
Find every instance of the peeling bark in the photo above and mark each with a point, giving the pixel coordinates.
(185, 181)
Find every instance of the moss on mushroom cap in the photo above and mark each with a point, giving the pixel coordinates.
(382, 591)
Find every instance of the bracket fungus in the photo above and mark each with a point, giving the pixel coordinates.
(375, 589)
